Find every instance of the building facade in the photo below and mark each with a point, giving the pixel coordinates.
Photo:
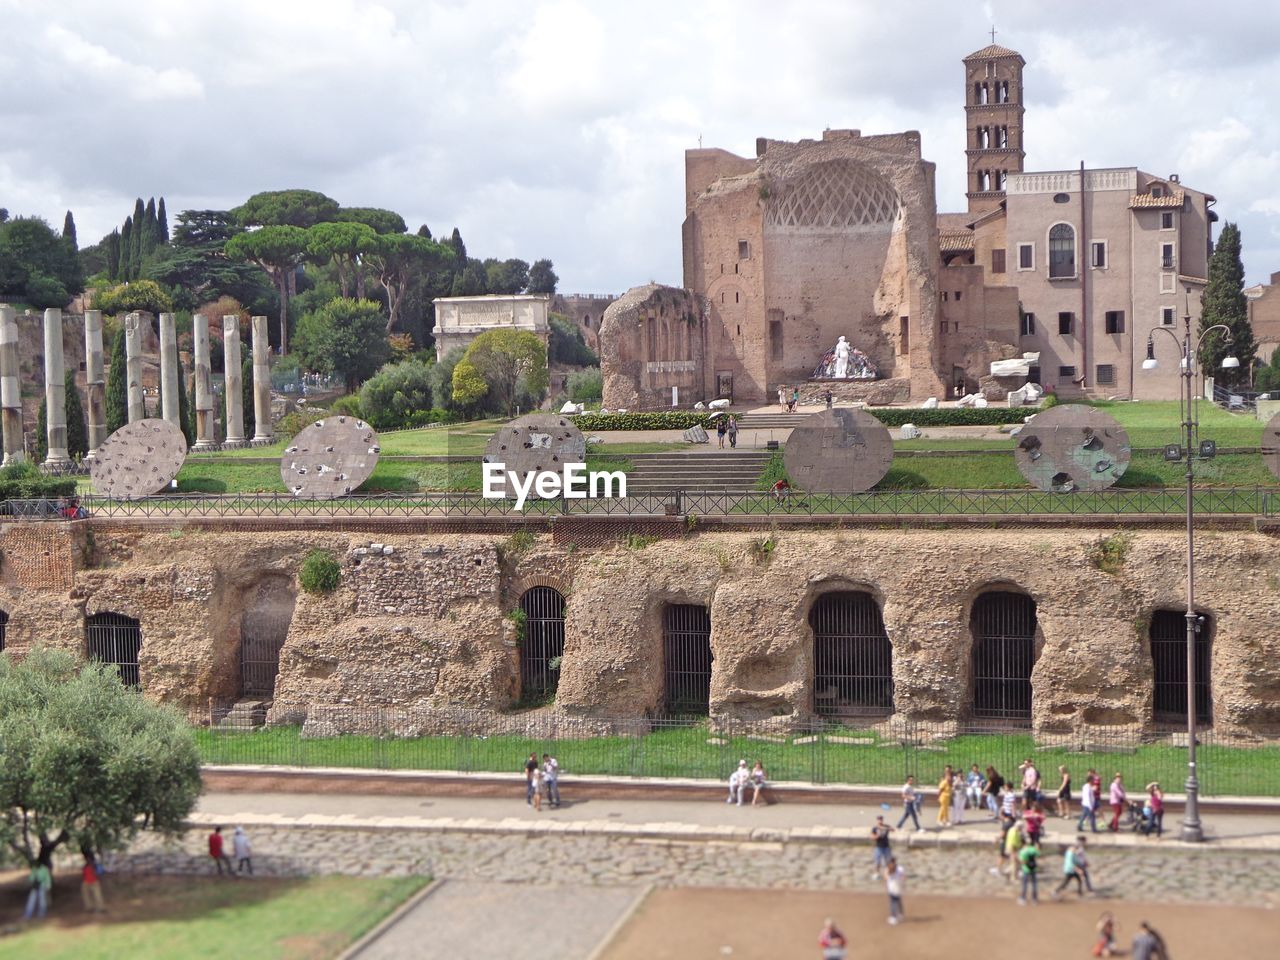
(459, 320)
(1264, 316)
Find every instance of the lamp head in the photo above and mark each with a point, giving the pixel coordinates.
(1150, 363)
(1230, 363)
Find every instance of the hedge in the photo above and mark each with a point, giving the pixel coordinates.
(663, 420)
(24, 481)
(889, 416)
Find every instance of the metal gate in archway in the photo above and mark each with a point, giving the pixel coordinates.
(853, 658)
(543, 642)
(686, 658)
(1169, 667)
(115, 638)
(1004, 652)
(262, 637)
(4, 626)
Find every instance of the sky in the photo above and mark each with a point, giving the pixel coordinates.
(556, 128)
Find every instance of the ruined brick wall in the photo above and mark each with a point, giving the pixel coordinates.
(650, 341)
(586, 311)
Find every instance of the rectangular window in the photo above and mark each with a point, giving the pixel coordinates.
(1166, 283)
(1106, 375)
(1115, 322)
(1166, 256)
(946, 295)
(775, 339)
(744, 250)
(1064, 323)
(1167, 316)
(1166, 220)
(1098, 254)
(1028, 325)
(997, 261)
(1026, 256)
(958, 292)
(1066, 373)
(904, 335)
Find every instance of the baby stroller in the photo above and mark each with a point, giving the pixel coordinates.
(1137, 816)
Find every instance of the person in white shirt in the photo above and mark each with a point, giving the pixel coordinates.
(895, 881)
(551, 777)
(243, 850)
(737, 782)
(1088, 805)
(910, 803)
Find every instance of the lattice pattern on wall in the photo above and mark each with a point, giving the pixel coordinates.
(38, 557)
(834, 195)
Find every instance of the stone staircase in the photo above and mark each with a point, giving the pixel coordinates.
(728, 471)
(246, 714)
(771, 421)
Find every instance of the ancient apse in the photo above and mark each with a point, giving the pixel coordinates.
(783, 254)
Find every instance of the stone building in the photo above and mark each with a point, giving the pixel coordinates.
(1263, 301)
(459, 320)
(586, 310)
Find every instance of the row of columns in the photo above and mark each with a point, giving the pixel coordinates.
(170, 382)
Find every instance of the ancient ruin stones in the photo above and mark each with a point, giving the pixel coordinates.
(330, 458)
(1072, 448)
(535, 443)
(1271, 445)
(138, 460)
(838, 451)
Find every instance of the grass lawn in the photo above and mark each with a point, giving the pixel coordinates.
(158, 918)
(834, 755)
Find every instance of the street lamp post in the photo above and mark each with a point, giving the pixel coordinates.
(1189, 452)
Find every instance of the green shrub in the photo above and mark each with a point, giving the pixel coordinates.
(951, 416)
(1109, 553)
(137, 295)
(292, 424)
(398, 395)
(664, 420)
(24, 481)
(348, 406)
(567, 345)
(320, 572)
(586, 385)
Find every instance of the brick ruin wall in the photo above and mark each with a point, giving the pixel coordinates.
(651, 340)
(424, 626)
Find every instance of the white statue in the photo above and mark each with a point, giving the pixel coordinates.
(842, 359)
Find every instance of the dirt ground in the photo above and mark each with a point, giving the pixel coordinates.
(692, 924)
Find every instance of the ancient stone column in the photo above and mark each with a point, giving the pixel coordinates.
(55, 391)
(170, 379)
(232, 388)
(95, 381)
(10, 387)
(261, 382)
(204, 393)
(133, 366)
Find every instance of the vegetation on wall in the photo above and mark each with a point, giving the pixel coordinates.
(320, 572)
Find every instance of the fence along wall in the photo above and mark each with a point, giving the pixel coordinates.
(425, 622)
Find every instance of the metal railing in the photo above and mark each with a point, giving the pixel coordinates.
(1170, 502)
(882, 753)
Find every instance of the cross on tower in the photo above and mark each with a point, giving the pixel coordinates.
(993, 33)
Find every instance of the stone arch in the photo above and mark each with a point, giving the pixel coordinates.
(542, 646)
(115, 638)
(851, 656)
(1167, 640)
(834, 194)
(687, 658)
(264, 627)
(4, 627)
(1060, 242)
(1004, 630)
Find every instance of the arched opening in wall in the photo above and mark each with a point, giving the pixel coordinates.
(852, 656)
(1169, 667)
(4, 626)
(116, 639)
(543, 643)
(686, 659)
(264, 627)
(1004, 651)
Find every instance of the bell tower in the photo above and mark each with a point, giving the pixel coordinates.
(993, 122)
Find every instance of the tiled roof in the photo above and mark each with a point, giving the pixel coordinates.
(954, 222)
(993, 52)
(1147, 202)
(955, 242)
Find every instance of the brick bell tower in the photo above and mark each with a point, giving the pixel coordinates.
(993, 122)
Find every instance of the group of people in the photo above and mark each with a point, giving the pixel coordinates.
(727, 427)
(542, 781)
(788, 397)
(240, 846)
(744, 779)
(40, 888)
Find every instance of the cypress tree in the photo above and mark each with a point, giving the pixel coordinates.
(69, 231)
(185, 408)
(459, 248)
(246, 398)
(42, 433)
(1224, 302)
(126, 248)
(117, 386)
(189, 421)
(162, 222)
(137, 239)
(77, 427)
(113, 254)
(151, 235)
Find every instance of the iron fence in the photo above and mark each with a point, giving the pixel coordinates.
(890, 504)
(820, 752)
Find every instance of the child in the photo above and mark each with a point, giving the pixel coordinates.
(1105, 945)
(895, 880)
(975, 783)
(535, 781)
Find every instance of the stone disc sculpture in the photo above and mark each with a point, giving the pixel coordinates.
(330, 458)
(838, 451)
(1271, 445)
(138, 460)
(1072, 447)
(534, 443)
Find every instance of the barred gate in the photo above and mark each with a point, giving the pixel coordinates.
(262, 636)
(4, 625)
(543, 643)
(1004, 651)
(116, 639)
(1169, 667)
(853, 659)
(686, 657)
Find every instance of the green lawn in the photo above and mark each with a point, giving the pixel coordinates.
(178, 918)
(833, 755)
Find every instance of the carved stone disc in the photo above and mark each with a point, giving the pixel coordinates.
(1072, 447)
(138, 460)
(838, 451)
(1271, 445)
(330, 458)
(536, 442)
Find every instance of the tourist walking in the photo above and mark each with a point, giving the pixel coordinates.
(732, 430)
(1088, 805)
(758, 784)
(944, 797)
(831, 941)
(91, 885)
(219, 854)
(957, 798)
(722, 426)
(1064, 794)
(910, 800)
(1008, 805)
(39, 884)
(1030, 783)
(738, 781)
(551, 777)
(243, 850)
(880, 845)
(1029, 861)
(795, 398)
(827, 396)
(1075, 866)
(1117, 797)
(530, 765)
(1155, 803)
(895, 881)
(1033, 823)
(1148, 945)
(1010, 849)
(995, 784)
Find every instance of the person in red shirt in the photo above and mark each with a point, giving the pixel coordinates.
(218, 854)
(832, 941)
(91, 886)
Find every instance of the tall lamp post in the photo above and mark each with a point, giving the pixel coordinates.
(1191, 450)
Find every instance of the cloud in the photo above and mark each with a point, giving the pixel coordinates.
(138, 80)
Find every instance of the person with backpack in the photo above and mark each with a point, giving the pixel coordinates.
(722, 426)
(39, 886)
(1028, 861)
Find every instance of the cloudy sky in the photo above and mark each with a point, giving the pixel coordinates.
(557, 128)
